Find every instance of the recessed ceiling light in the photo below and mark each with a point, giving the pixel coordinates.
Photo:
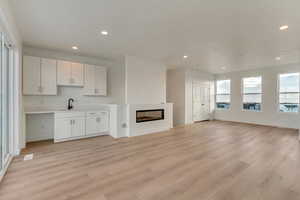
(185, 56)
(104, 32)
(283, 27)
(223, 68)
(74, 47)
(278, 58)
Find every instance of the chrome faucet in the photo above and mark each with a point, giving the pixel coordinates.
(70, 104)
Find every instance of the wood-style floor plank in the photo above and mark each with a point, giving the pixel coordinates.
(209, 160)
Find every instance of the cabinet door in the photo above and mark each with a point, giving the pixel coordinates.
(64, 72)
(92, 126)
(78, 127)
(100, 81)
(63, 128)
(104, 126)
(77, 74)
(48, 77)
(89, 83)
(31, 75)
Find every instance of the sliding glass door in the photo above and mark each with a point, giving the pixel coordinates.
(6, 89)
(1, 98)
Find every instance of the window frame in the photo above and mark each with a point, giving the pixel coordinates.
(9, 130)
(278, 93)
(216, 94)
(242, 92)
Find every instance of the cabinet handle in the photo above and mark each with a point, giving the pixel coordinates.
(71, 121)
(96, 91)
(74, 121)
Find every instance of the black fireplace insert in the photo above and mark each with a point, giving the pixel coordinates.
(150, 115)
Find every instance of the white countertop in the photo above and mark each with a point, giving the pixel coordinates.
(57, 110)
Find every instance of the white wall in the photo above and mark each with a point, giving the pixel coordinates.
(269, 114)
(145, 81)
(137, 129)
(116, 80)
(175, 94)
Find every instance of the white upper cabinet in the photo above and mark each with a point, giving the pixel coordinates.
(89, 84)
(31, 75)
(77, 77)
(64, 72)
(95, 81)
(39, 76)
(48, 76)
(100, 81)
(70, 74)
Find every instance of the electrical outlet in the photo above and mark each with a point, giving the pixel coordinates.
(28, 157)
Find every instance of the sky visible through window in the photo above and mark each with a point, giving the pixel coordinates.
(252, 85)
(252, 90)
(223, 87)
(289, 82)
(223, 94)
(289, 92)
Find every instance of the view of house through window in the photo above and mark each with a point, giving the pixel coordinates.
(289, 92)
(252, 93)
(223, 94)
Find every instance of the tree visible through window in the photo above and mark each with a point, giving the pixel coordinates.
(223, 94)
(252, 93)
(289, 92)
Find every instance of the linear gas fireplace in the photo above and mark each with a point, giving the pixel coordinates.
(149, 115)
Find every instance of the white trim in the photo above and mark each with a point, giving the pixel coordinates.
(4, 170)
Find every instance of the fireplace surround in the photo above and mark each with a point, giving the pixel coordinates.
(150, 115)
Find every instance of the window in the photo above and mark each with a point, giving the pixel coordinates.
(223, 94)
(289, 92)
(252, 93)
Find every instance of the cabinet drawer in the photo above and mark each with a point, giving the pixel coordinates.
(69, 114)
(96, 113)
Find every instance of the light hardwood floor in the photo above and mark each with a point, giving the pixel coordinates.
(209, 160)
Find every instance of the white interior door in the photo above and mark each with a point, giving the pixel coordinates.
(201, 101)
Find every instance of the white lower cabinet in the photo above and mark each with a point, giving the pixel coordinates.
(78, 127)
(96, 123)
(63, 128)
(75, 125)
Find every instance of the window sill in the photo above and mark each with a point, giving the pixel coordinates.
(258, 111)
